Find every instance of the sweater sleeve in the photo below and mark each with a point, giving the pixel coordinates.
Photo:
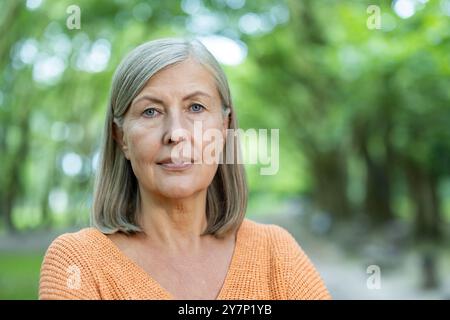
(65, 272)
(303, 282)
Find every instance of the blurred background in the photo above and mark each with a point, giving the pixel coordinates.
(360, 91)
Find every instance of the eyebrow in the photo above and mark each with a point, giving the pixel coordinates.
(157, 100)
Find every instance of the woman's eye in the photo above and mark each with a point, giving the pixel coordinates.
(150, 112)
(197, 107)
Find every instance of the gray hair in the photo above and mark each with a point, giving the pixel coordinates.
(116, 192)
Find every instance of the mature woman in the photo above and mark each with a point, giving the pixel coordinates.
(166, 223)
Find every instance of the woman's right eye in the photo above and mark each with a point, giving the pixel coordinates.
(150, 112)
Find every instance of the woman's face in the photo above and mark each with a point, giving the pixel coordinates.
(158, 137)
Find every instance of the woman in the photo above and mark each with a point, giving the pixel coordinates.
(168, 223)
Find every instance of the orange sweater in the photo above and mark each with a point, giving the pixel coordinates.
(267, 263)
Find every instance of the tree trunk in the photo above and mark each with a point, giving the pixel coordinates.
(330, 191)
(14, 185)
(378, 190)
(423, 192)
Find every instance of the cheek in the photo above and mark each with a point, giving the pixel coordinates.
(209, 172)
(212, 140)
(211, 127)
(143, 144)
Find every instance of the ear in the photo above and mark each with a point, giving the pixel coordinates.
(119, 137)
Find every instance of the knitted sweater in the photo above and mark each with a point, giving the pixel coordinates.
(267, 263)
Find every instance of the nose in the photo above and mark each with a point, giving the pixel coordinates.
(175, 129)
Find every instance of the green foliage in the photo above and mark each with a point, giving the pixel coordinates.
(363, 114)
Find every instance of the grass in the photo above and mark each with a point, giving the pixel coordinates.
(19, 275)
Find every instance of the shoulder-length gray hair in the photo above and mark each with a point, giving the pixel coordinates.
(116, 193)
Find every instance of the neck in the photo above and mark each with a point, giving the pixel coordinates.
(173, 223)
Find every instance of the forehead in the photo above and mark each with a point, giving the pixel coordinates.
(181, 78)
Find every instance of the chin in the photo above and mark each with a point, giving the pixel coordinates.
(178, 191)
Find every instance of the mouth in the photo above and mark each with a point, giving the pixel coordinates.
(175, 164)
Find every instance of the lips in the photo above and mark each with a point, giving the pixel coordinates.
(175, 164)
(175, 161)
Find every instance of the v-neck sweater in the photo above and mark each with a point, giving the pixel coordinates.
(267, 264)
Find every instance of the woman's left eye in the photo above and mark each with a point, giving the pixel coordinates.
(197, 107)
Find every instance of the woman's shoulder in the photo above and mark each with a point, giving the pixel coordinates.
(264, 234)
(69, 264)
(267, 230)
(82, 237)
(75, 245)
(287, 260)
